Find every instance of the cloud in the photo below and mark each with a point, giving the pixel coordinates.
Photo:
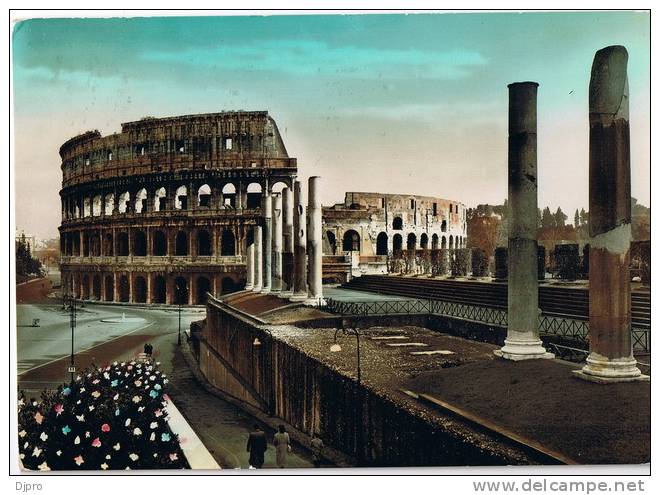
(314, 58)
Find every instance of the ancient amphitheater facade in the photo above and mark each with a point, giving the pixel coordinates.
(162, 212)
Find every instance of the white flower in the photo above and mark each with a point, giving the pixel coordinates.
(141, 408)
(137, 383)
(59, 453)
(153, 425)
(86, 434)
(116, 397)
(128, 422)
(117, 446)
(152, 437)
(137, 432)
(134, 457)
(22, 433)
(36, 452)
(21, 456)
(77, 440)
(43, 466)
(43, 436)
(104, 466)
(136, 398)
(108, 456)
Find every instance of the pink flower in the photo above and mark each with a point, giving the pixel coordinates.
(105, 427)
(173, 457)
(96, 442)
(59, 408)
(79, 460)
(38, 418)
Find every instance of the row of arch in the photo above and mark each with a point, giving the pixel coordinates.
(147, 288)
(175, 197)
(153, 243)
(351, 242)
(397, 224)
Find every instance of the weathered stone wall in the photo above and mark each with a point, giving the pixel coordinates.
(283, 380)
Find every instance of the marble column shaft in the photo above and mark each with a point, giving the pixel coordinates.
(287, 240)
(276, 282)
(314, 241)
(610, 341)
(256, 262)
(267, 241)
(300, 246)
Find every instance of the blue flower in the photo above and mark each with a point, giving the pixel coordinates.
(113, 383)
(66, 430)
(66, 391)
(153, 394)
(165, 437)
(157, 386)
(117, 412)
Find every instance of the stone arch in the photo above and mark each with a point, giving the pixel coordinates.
(122, 244)
(181, 244)
(159, 290)
(351, 241)
(397, 243)
(203, 285)
(96, 287)
(160, 198)
(229, 195)
(141, 201)
(124, 200)
(228, 246)
(109, 204)
(424, 241)
(87, 207)
(85, 286)
(451, 242)
(443, 226)
(434, 242)
(85, 244)
(204, 243)
(254, 194)
(180, 290)
(228, 285)
(181, 198)
(109, 287)
(397, 223)
(204, 196)
(158, 243)
(411, 242)
(278, 186)
(332, 241)
(444, 242)
(124, 289)
(97, 205)
(139, 243)
(381, 244)
(140, 289)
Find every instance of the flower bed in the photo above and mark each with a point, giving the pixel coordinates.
(109, 418)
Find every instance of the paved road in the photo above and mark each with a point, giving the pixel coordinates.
(43, 357)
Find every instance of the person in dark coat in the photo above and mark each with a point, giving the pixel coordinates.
(256, 446)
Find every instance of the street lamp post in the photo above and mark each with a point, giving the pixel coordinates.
(178, 341)
(72, 320)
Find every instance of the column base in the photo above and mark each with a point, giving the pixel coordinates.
(520, 350)
(285, 294)
(315, 302)
(265, 290)
(249, 286)
(600, 369)
(299, 297)
(256, 288)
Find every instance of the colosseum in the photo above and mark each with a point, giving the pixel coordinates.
(162, 212)
(367, 227)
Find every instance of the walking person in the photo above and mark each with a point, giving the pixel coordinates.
(256, 446)
(282, 446)
(317, 446)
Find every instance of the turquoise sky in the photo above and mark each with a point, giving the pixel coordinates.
(395, 103)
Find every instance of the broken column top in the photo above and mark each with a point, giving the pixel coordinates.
(522, 107)
(608, 87)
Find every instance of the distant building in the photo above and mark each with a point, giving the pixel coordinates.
(370, 226)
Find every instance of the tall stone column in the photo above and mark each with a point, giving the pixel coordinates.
(256, 262)
(276, 282)
(250, 267)
(267, 241)
(287, 239)
(610, 341)
(300, 247)
(314, 242)
(522, 341)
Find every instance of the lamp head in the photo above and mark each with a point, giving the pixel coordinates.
(335, 348)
